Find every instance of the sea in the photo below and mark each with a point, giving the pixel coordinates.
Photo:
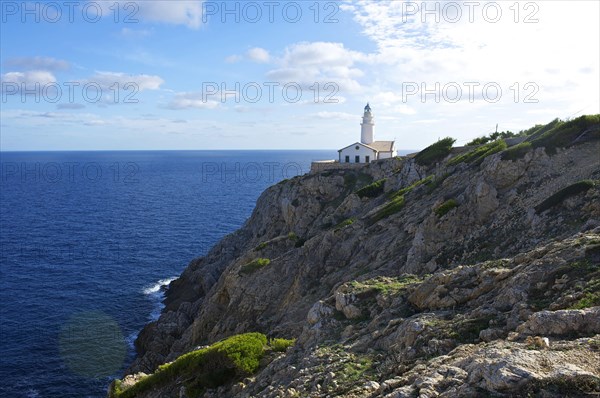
(90, 240)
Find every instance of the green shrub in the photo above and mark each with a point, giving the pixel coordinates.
(556, 134)
(254, 265)
(345, 223)
(281, 345)
(234, 357)
(436, 182)
(427, 181)
(445, 207)
(394, 206)
(492, 137)
(435, 152)
(292, 236)
(560, 196)
(477, 155)
(565, 133)
(590, 299)
(517, 151)
(372, 190)
(260, 246)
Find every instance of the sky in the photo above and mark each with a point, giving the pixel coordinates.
(156, 75)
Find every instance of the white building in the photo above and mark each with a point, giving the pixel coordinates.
(367, 150)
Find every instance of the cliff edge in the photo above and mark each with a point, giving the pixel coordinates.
(453, 273)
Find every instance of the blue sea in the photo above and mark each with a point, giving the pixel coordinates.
(88, 242)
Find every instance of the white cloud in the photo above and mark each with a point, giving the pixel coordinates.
(191, 100)
(24, 84)
(258, 54)
(232, 59)
(336, 115)
(29, 78)
(37, 63)
(179, 12)
(176, 12)
(307, 63)
(142, 81)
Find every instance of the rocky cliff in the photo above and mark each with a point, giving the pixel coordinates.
(472, 272)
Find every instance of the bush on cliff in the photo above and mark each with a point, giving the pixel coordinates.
(435, 152)
(372, 190)
(445, 207)
(477, 155)
(254, 265)
(233, 358)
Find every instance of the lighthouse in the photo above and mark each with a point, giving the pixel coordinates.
(366, 127)
(367, 150)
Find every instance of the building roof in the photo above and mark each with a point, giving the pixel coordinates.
(358, 143)
(382, 146)
(377, 146)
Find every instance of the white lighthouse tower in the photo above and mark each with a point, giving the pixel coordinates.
(366, 127)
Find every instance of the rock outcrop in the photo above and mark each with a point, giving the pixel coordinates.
(388, 296)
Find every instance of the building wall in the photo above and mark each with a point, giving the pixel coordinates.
(387, 155)
(362, 152)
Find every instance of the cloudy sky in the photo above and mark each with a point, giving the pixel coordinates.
(289, 75)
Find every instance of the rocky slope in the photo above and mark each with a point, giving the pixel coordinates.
(448, 278)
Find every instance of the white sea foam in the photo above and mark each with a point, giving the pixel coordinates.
(158, 286)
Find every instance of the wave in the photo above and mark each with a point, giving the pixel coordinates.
(156, 293)
(159, 286)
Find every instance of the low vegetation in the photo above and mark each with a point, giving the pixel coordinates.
(392, 207)
(385, 285)
(344, 224)
(372, 190)
(492, 137)
(517, 151)
(477, 155)
(281, 345)
(255, 265)
(556, 134)
(260, 246)
(233, 358)
(397, 200)
(435, 152)
(560, 196)
(445, 207)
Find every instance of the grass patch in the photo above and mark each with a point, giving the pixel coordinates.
(435, 152)
(477, 155)
(560, 196)
(372, 190)
(234, 357)
(445, 207)
(254, 265)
